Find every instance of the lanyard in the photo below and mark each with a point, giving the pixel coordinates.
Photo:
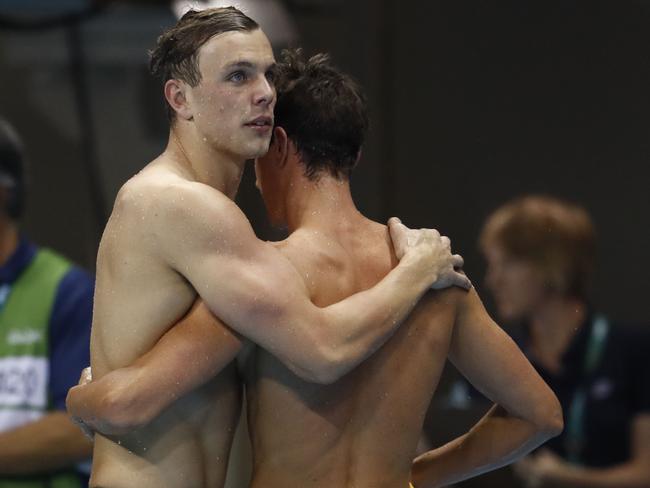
(5, 290)
(575, 429)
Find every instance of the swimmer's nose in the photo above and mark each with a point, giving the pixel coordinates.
(265, 94)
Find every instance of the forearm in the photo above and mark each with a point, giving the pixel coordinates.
(50, 443)
(252, 287)
(129, 398)
(189, 354)
(496, 440)
(114, 404)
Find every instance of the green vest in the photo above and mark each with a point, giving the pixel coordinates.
(24, 351)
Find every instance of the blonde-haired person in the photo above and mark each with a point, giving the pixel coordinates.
(540, 260)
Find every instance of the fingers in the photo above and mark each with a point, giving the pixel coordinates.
(394, 220)
(452, 278)
(434, 250)
(399, 234)
(462, 281)
(86, 376)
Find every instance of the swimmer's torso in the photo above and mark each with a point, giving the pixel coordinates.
(138, 297)
(361, 431)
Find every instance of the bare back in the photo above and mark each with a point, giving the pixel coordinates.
(138, 297)
(362, 430)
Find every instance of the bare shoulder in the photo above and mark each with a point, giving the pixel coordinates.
(165, 202)
(447, 306)
(453, 298)
(469, 301)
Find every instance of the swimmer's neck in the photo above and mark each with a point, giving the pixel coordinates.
(325, 204)
(198, 161)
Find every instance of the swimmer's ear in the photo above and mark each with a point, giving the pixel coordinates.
(177, 99)
(281, 145)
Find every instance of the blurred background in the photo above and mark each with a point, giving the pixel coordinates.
(472, 104)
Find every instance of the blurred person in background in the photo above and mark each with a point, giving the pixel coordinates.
(540, 259)
(45, 317)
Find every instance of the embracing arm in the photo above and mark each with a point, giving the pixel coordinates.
(189, 354)
(526, 415)
(259, 290)
(253, 288)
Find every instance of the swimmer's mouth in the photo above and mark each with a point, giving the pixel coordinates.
(261, 122)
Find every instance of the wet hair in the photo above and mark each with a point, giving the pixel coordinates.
(176, 53)
(323, 112)
(556, 236)
(12, 169)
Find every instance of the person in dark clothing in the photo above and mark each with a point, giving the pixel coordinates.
(540, 257)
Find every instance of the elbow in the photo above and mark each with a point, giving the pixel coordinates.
(325, 367)
(553, 426)
(120, 414)
(550, 421)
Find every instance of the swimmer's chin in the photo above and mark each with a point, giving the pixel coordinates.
(258, 152)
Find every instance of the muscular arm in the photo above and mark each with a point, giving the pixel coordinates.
(253, 284)
(188, 355)
(526, 413)
(47, 444)
(253, 288)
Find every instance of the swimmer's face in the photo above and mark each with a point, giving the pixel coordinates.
(271, 179)
(517, 285)
(232, 106)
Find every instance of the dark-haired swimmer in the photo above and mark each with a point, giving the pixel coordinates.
(175, 232)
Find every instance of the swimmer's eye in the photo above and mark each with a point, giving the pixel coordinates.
(271, 75)
(237, 77)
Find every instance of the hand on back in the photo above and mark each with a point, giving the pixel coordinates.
(430, 253)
